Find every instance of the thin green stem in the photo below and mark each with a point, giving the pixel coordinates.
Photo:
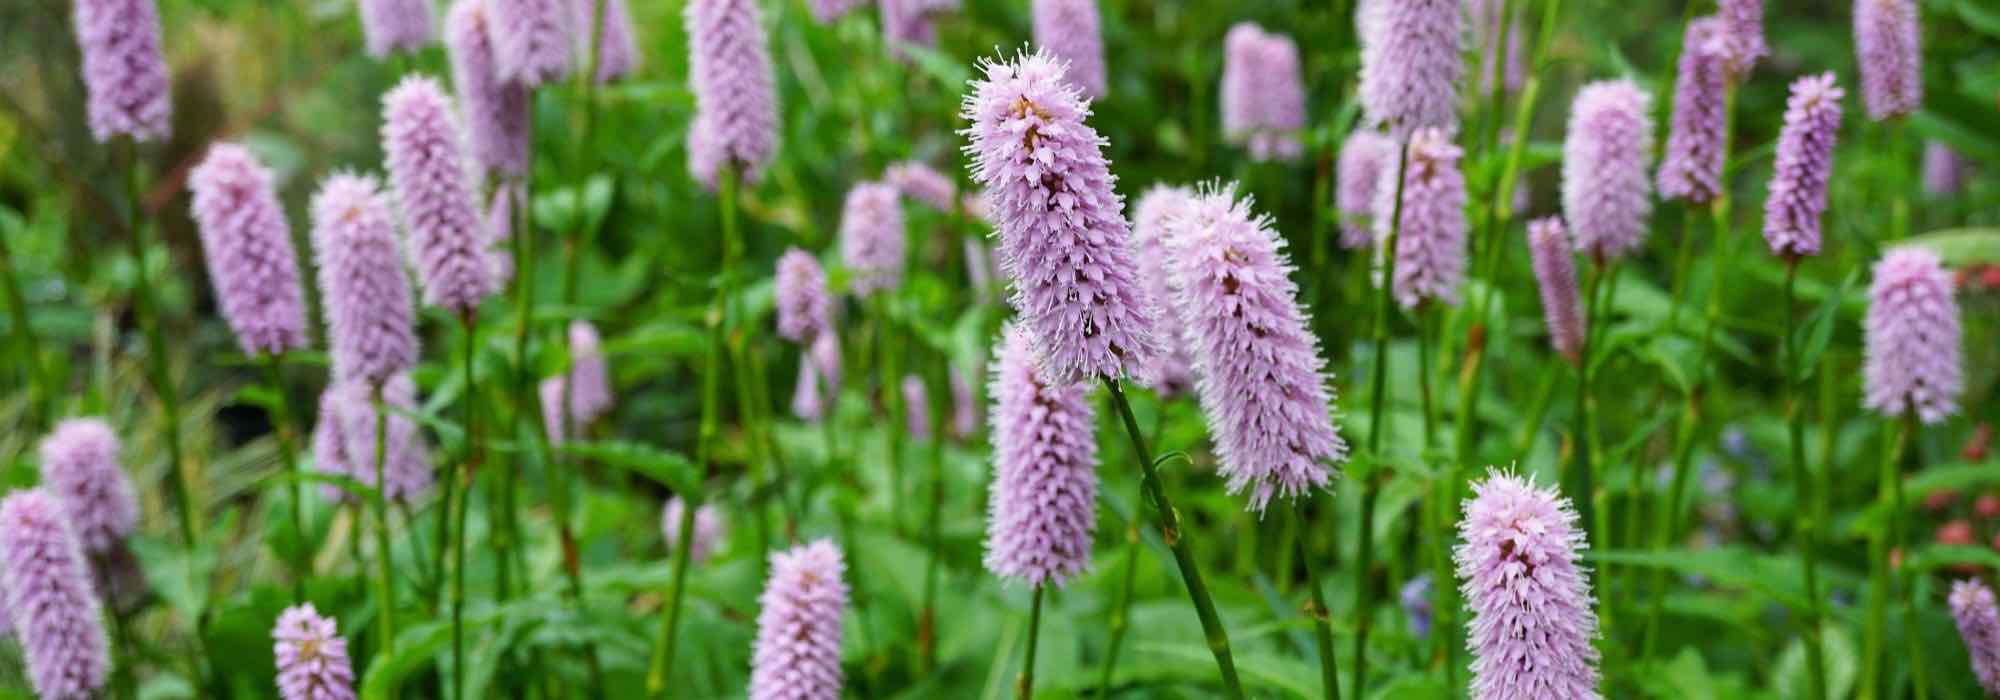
(148, 311)
(281, 420)
(1881, 583)
(1329, 670)
(1024, 688)
(1120, 614)
(385, 592)
(1364, 603)
(1578, 481)
(1167, 520)
(1919, 678)
(1808, 526)
(926, 623)
(886, 379)
(474, 447)
(29, 346)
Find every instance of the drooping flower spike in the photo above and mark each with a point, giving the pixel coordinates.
(248, 247)
(125, 71)
(424, 149)
(1067, 31)
(533, 39)
(56, 615)
(1173, 370)
(1803, 166)
(797, 654)
(1042, 508)
(1532, 621)
(1887, 50)
(1363, 157)
(1064, 243)
(1606, 187)
(311, 655)
(1430, 248)
(735, 95)
(873, 241)
(1691, 166)
(369, 313)
(708, 529)
(1914, 341)
(1411, 61)
(495, 109)
(80, 470)
(1550, 252)
(396, 25)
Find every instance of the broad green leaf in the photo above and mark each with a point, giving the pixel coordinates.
(671, 469)
(1961, 247)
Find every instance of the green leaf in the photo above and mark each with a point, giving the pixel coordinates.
(415, 648)
(1961, 247)
(1813, 336)
(178, 575)
(669, 468)
(1980, 15)
(1940, 556)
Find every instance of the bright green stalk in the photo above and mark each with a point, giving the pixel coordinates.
(385, 592)
(474, 449)
(1578, 479)
(926, 623)
(148, 311)
(282, 419)
(1119, 614)
(1918, 676)
(1880, 579)
(1329, 670)
(29, 346)
(1808, 527)
(1364, 603)
(1025, 687)
(663, 656)
(1168, 521)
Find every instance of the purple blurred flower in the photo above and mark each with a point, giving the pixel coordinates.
(1066, 31)
(1363, 157)
(805, 309)
(911, 23)
(425, 153)
(533, 40)
(312, 658)
(916, 407)
(1260, 377)
(124, 69)
(797, 655)
(500, 229)
(80, 470)
(496, 109)
(1804, 164)
(396, 25)
(248, 246)
(1410, 64)
(819, 370)
(361, 281)
(56, 616)
(1914, 342)
(1532, 623)
(617, 52)
(1173, 370)
(826, 11)
(965, 401)
(1945, 171)
(589, 384)
(1416, 599)
(978, 266)
(1042, 508)
(1484, 15)
(1978, 621)
(1607, 193)
(1886, 47)
(707, 528)
(1430, 249)
(1743, 38)
(1691, 167)
(919, 181)
(735, 95)
(1064, 241)
(872, 239)
(1263, 93)
(343, 440)
(1549, 250)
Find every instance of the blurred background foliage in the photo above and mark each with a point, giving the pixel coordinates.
(290, 78)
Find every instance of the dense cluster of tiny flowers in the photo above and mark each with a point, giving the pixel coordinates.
(1972, 607)
(916, 407)
(617, 50)
(495, 109)
(248, 247)
(425, 153)
(1064, 242)
(311, 655)
(1363, 157)
(1887, 51)
(911, 22)
(1430, 247)
(589, 384)
(1804, 163)
(369, 313)
(819, 370)
(1532, 620)
(1555, 274)
(707, 528)
(826, 11)
(872, 239)
(1067, 31)
(804, 307)
(1486, 30)
(396, 25)
(1743, 38)
(80, 470)
(1173, 370)
(1914, 341)
(56, 615)
(1259, 374)
(1410, 64)
(965, 401)
(1606, 187)
(1263, 92)
(1416, 599)
(735, 95)
(797, 653)
(124, 69)
(1945, 171)
(1042, 508)
(500, 228)
(533, 40)
(1691, 166)
(343, 440)
(923, 183)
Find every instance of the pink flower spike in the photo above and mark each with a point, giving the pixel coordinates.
(424, 150)
(617, 52)
(1549, 250)
(1972, 608)
(1067, 31)
(396, 25)
(248, 247)
(56, 615)
(1803, 166)
(124, 69)
(797, 654)
(1042, 508)
(1607, 193)
(1172, 371)
(80, 470)
(1886, 47)
(1411, 61)
(873, 241)
(1532, 623)
(1915, 346)
(1430, 248)
(311, 655)
(369, 314)
(496, 109)
(533, 39)
(735, 96)
(1363, 157)
(708, 529)
(1691, 167)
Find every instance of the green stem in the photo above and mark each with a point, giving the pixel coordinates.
(1808, 527)
(473, 450)
(29, 347)
(1880, 579)
(1578, 482)
(148, 311)
(886, 379)
(1167, 519)
(1364, 603)
(926, 624)
(1025, 687)
(1899, 533)
(282, 425)
(1119, 615)
(385, 566)
(1329, 670)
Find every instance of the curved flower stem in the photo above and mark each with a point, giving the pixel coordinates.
(1168, 521)
(663, 657)
(282, 421)
(1329, 670)
(1364, 602)
(385, 592)
(1024, 688)
(1802, 478)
